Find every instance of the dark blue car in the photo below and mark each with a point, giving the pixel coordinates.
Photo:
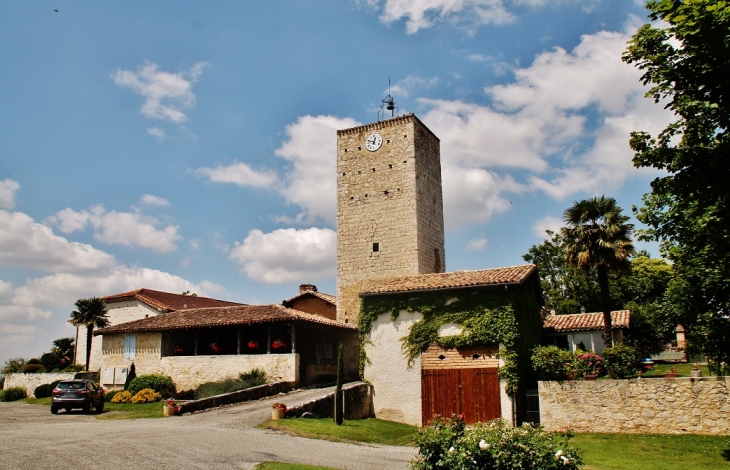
(70, 394)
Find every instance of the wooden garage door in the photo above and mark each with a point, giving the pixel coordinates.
(471, 392)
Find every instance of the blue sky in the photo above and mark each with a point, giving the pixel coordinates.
(180, 145)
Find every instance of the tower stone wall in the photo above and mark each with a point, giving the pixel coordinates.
(389, 207)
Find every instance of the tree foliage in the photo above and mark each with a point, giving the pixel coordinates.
(92, 314)
(685, 61)
(598, 236)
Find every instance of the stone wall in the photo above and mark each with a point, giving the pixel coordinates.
(358, 403)
(254, 393)
(655, 406)
(190, 371)
(31, 381)
(392, 197)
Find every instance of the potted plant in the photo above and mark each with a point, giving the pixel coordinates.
(590, 364)
(253, 344)
(278, 344)
(278, 411)
(671, 374)
(170, 408)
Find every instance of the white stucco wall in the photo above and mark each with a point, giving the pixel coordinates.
(190, 371)
(118, 312)
(396, 388)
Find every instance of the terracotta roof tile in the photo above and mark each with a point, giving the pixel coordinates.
(586, 321)
(429, 282)
(220, 316)
(166, 301)
(326, 297)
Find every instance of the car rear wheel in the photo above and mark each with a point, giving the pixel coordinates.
(87, 408)
(54, 410)
(100, 407)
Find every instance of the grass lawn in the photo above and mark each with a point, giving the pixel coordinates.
(287, 466)
(114, 410)
(683, 370)
(652, 451)
(370, 430)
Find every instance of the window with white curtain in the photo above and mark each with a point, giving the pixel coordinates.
(130, 344)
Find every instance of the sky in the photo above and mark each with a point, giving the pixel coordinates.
(191, 146)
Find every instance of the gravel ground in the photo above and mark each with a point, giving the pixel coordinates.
(32, 438)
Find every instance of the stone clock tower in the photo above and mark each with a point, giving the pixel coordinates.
(390, 216)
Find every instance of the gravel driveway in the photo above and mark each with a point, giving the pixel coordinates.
(32, 438)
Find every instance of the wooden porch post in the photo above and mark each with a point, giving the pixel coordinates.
(294, 338)
(268, 340)
(196, 342)
(238, 346)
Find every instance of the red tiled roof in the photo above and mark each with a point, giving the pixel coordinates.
(165, 301)
(326, 297)
(430, 282)
(586, 321)
(220, 316)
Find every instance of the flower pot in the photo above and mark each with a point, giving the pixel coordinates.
(670, 375)
(168, 410)
(277, 413)
(590, 376)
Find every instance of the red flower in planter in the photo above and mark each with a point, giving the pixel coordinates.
(215, 348)
(278, 344)
(253, 344)
(178, 349)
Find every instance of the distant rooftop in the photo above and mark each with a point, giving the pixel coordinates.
(166, 301)
(585, 321)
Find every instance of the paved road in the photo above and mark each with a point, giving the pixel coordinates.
(32, 438)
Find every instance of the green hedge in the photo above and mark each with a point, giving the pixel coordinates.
(13, 394)
(161, 384)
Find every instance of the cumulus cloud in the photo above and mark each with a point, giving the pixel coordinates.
(8, 188)
(468, 14)
(156, 132)
(311, 148)
(546, 223)
(476, 244)
(150, 200)
(120, 228)
(411, 84)
(239, 174)
(287, 255)
(27, 244)
(167, 95)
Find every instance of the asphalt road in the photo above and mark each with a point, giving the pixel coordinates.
(32, 438)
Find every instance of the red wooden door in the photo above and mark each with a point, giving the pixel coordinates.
(471, 392)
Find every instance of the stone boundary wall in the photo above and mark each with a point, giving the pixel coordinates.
(31, 381)
(253, 393)
(358, 403)
(652, 406)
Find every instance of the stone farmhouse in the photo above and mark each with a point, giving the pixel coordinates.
(583, 330)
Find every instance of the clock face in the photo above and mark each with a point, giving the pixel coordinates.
(373, 142)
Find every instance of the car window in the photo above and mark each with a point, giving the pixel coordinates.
(71, 385)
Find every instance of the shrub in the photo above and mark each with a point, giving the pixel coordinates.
(210, 389)
(552, 363)
(130, 376)
(74, 368)
(42, 391)
(108, 396)
(51, 361)
(13, 365)
(161, 384)
(185, 395)
(33, 368)
(589, 363)
(34, 361)
(13, 393)
(622, 360)
(146, 395)
(449, 444)
(253, 377)
(121, 397)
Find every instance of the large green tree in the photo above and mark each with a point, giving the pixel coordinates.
(598, 236)
(685, 60)
(90, 313)
(64, 349)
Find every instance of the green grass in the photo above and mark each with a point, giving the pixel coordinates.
(287, 466)
(115, 410)
(683, 370)
(370, 430)
(652, 451)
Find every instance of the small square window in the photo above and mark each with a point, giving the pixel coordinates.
(376, 247)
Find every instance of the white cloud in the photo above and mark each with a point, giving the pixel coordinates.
(240, 174)
(156, 132)
(411, 84)
(546, 223)
(476, 244)
(166, 94)
(120, 228)
(287, 255)
(311, 183)
(8, 189)
(28, 244)
(151, 200)
(469, 14)
(478, 58)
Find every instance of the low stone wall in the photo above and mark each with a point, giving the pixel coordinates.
(358, 403)
(652, 406)
(240, 396)
(31, 381)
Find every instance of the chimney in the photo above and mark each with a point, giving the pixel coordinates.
(307, 287)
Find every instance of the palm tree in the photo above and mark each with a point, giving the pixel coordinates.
(91, 313)
(598, 236)
(64, 349)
